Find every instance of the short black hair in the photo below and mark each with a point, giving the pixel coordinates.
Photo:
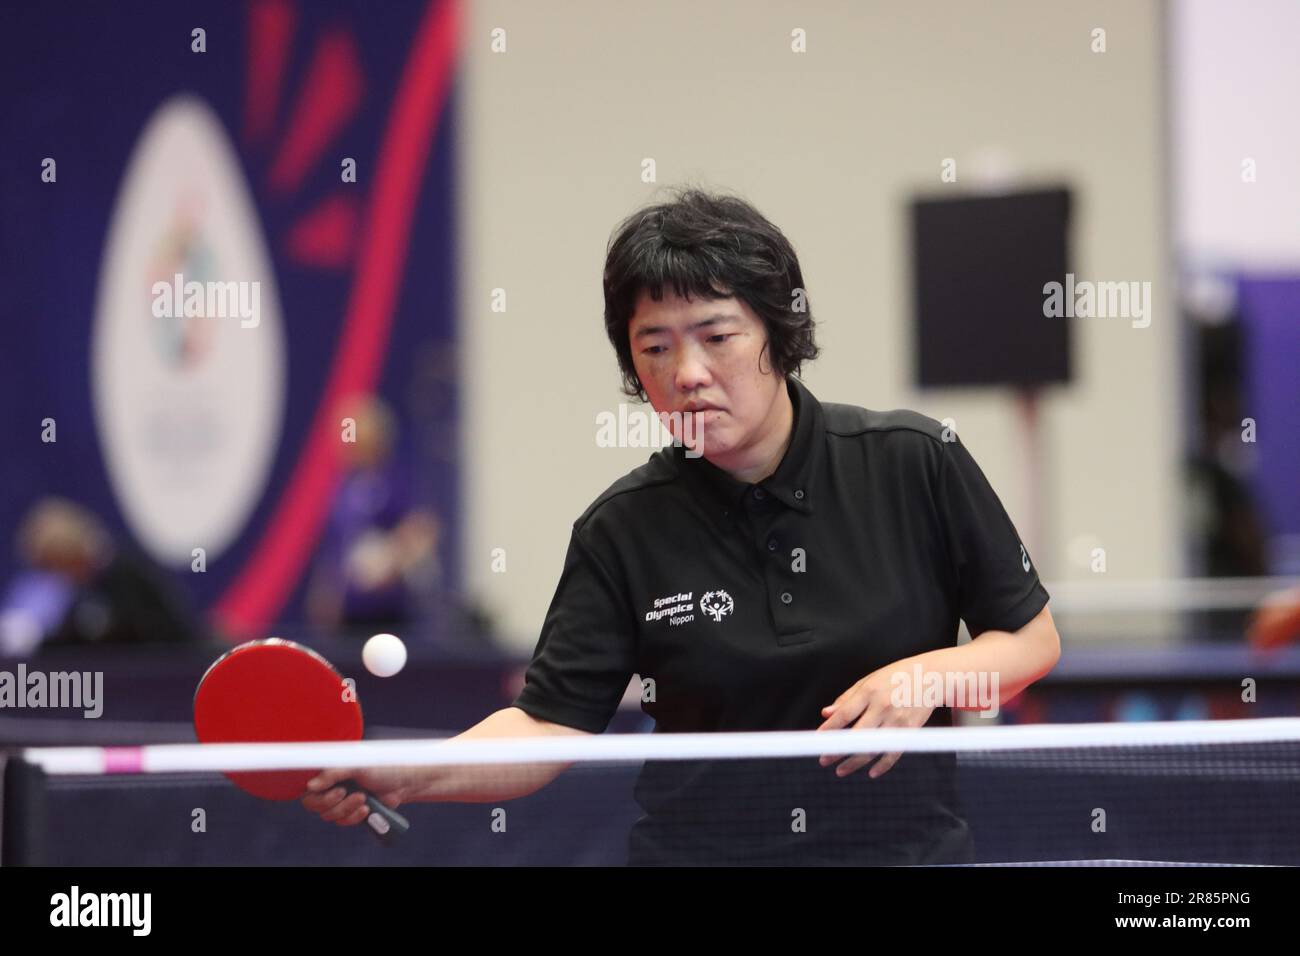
(712, 246)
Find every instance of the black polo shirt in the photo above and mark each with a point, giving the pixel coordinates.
(752, 606)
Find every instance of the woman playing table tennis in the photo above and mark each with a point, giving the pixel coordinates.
(788, 565)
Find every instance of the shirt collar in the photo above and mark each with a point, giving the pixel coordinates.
(791, 483)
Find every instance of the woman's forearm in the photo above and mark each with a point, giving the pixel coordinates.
(488, 783)
(1009, 660)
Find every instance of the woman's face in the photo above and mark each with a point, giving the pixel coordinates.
(703, 360)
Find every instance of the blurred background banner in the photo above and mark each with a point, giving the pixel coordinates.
(1270, 314)
(298, 155)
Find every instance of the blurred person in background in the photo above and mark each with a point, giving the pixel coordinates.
(1230, 532)
(1276, 622)
(82, 588)
(379, 554)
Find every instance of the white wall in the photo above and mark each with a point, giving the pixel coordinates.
(828, 144)
(1237, 79)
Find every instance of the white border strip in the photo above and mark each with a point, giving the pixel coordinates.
(1171, 595)
(172, 758)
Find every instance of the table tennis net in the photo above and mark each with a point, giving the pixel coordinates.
(1222, 792)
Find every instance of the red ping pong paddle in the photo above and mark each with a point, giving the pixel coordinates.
(279, 691)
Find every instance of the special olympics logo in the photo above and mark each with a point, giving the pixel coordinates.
(717, 604)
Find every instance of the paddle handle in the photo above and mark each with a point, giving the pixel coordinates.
(383, 821)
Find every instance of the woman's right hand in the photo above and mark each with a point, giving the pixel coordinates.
(326, 797)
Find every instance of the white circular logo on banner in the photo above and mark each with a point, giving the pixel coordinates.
(188, 345)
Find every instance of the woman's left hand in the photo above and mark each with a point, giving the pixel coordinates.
(869, 703)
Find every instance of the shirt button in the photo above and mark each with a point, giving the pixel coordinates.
(799, 494)
(771, 544)
(760, 494)
(785, 597)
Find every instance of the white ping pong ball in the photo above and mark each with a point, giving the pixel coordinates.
(384, 655)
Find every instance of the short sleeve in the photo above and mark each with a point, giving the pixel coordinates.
(997, 583)
(586, 653)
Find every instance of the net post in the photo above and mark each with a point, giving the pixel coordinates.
(22, 812)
